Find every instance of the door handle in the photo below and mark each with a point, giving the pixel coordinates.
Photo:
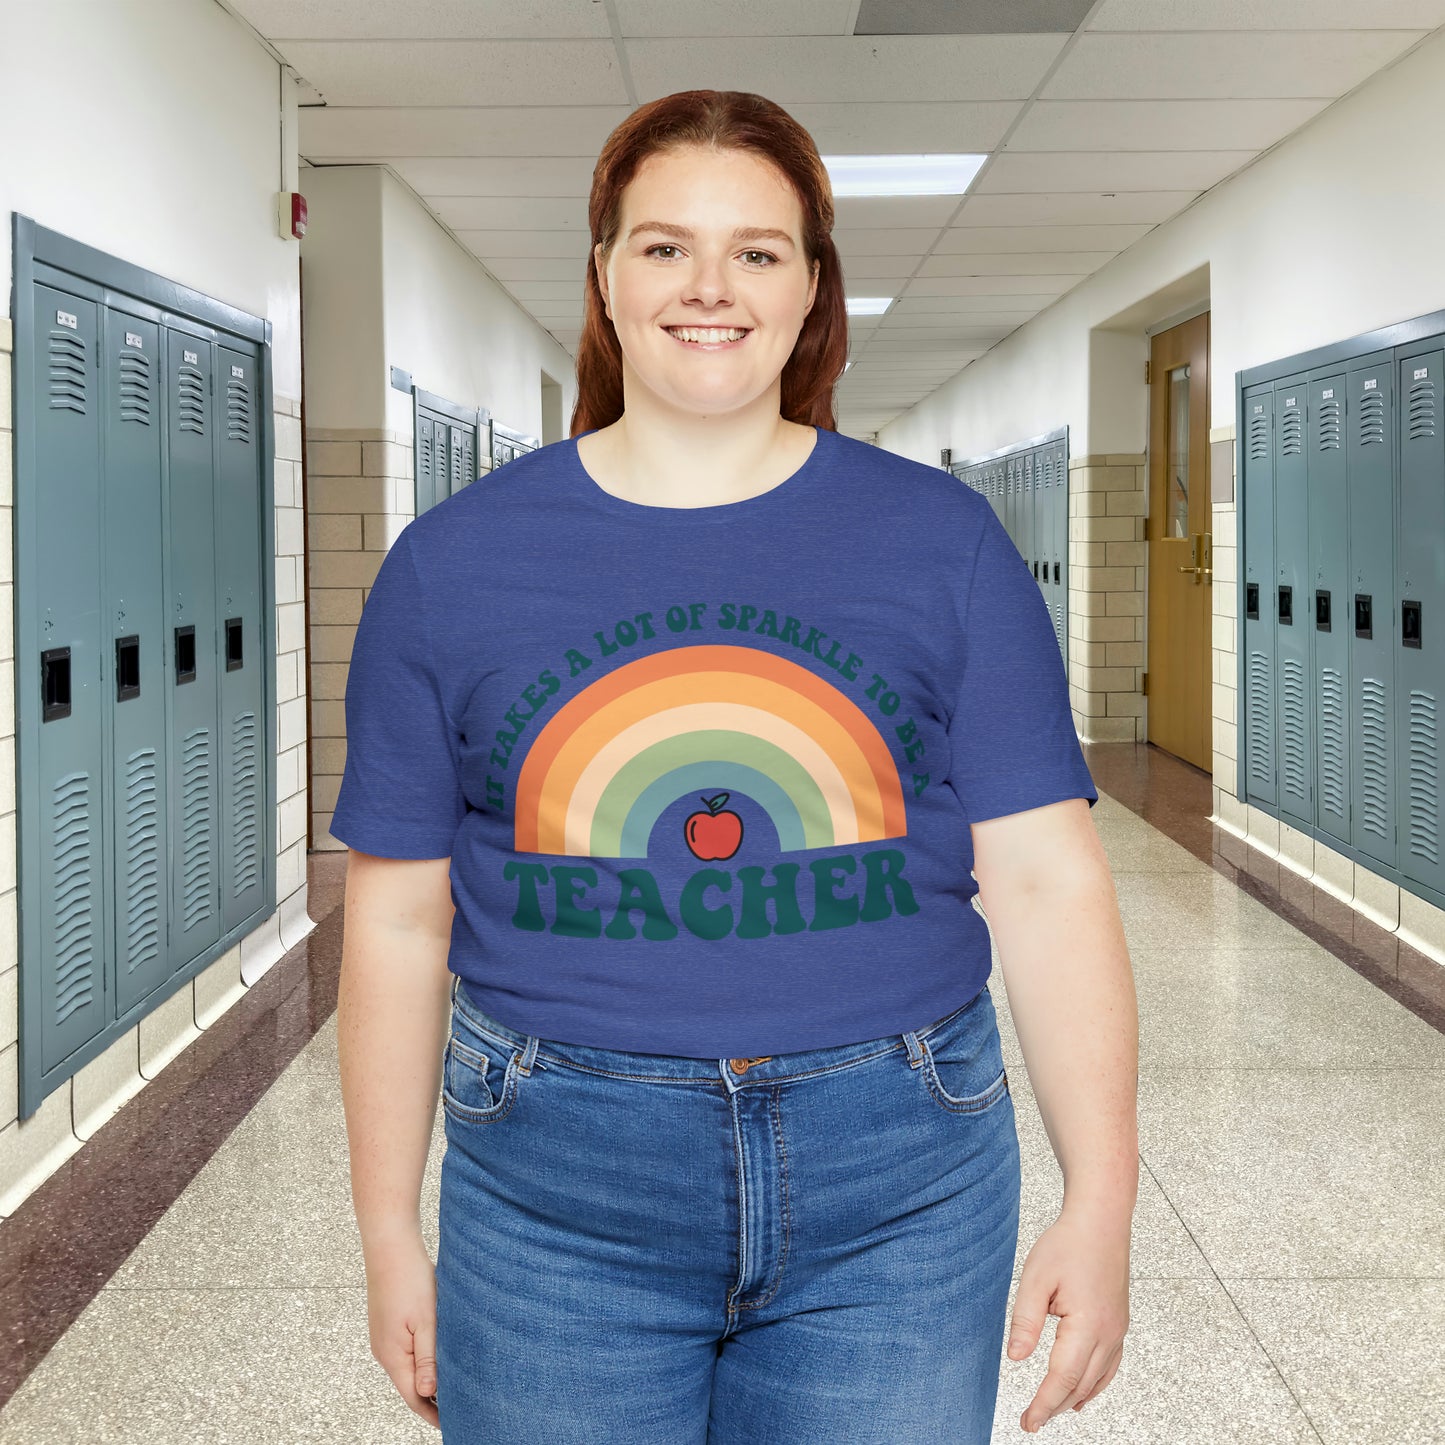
(1201, 546)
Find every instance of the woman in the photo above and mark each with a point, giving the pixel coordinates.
(686, 745)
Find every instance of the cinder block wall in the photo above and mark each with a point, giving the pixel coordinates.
(1106, 596)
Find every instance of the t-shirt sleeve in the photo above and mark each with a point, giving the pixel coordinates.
(401, 793)
(1012, 736)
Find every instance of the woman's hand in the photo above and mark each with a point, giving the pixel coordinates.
(401, 1308)
(1078, 1270)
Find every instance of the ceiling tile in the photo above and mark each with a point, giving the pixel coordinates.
(1074, 208)
(569, 244)
(510, 269)
(940, 271)
(1196, 170)
(374, 133)
(883, 213)
(1128, 125)
(566, 291)
(457, 72)
(514, 213)
(898, 128)
(737, 17)
(966, 239)
(884, 242)
(1223, 65)
(978, 17)
(1274, 15)
(423, 19)
(497, 176)
(982, 67)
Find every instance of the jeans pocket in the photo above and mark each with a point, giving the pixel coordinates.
(479, 1072)
(963, 1060)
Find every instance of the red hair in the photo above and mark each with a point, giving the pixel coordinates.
(724, 120)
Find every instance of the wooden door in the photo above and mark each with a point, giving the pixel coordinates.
(1179, 681)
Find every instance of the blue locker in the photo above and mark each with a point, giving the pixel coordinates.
(1259, 596)
(1327, 616)
(1294, 741)
(1371, 468)
(72, 934)
(133, 671)
(1420, 615)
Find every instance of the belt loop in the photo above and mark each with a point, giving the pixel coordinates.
(912, 1043)
(456, 980)
(525, 1067)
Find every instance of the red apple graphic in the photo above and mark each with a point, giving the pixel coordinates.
(715, 833)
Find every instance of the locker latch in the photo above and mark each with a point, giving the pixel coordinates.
(1286, 606)
(1410, 624)
(55, 683)
(1322, 610)
(1364, 622)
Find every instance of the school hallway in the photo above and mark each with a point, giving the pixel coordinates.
(1140, 299)
(1288, 1253)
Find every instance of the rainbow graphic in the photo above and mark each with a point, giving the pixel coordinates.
(692, 721)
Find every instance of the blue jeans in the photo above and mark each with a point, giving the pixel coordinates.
(647, 1249)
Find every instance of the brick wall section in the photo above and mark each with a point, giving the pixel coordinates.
(1106, 596)
(360, 493)
(32, 1149)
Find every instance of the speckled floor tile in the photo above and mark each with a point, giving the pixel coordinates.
(1198, 911)
(1302, 1173)
(213, 1367)
(1361, 1355)
(273, 1206)
(1191, 1374)
(1259, 1007)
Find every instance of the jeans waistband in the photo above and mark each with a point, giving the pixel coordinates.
(659, 1068)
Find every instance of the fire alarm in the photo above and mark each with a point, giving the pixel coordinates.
(291, 215)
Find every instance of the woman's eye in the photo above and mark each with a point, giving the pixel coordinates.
(760, 253)
(660, 246)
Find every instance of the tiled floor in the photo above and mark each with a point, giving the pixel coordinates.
(1289, 1241)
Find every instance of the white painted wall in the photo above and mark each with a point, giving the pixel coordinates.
(1334, 232)
(454, 328)
(151, 129)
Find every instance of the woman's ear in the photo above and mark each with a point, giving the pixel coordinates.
(601, 276)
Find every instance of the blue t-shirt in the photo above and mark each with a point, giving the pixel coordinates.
(705, 774)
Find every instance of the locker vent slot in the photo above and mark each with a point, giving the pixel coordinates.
(246, 830)
(192, 400)
(468, 461)
(1329, 426)
(197, 827)
(423, 441)
(1374, 759)
(1332, 742)
(73, 905)
(143, 870)
(135, 387)
(1292, 702)
(1261, 718)
(67, 372)
(1291, 432)
(1424, 773)
(1372, 419)
(238, 411)
(1259, 439)
(1422, 409)
(456, 460)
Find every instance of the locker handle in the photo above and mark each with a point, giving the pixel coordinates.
(234, 658)
(55, 684)
(1410, 624)
(1286, 606)
(1056, 571)
(1364, 620)
(1251, 601)
(127, 667)
(185, 643)
(1322, 610)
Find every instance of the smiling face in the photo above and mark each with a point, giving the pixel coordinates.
(709, 242)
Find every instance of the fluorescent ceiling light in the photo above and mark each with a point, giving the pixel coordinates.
(924, 175)
(868, 305)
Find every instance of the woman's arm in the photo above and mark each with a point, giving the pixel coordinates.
(392, 1021)
(1045, 885)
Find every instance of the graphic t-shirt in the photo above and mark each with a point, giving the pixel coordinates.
(705, 774)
